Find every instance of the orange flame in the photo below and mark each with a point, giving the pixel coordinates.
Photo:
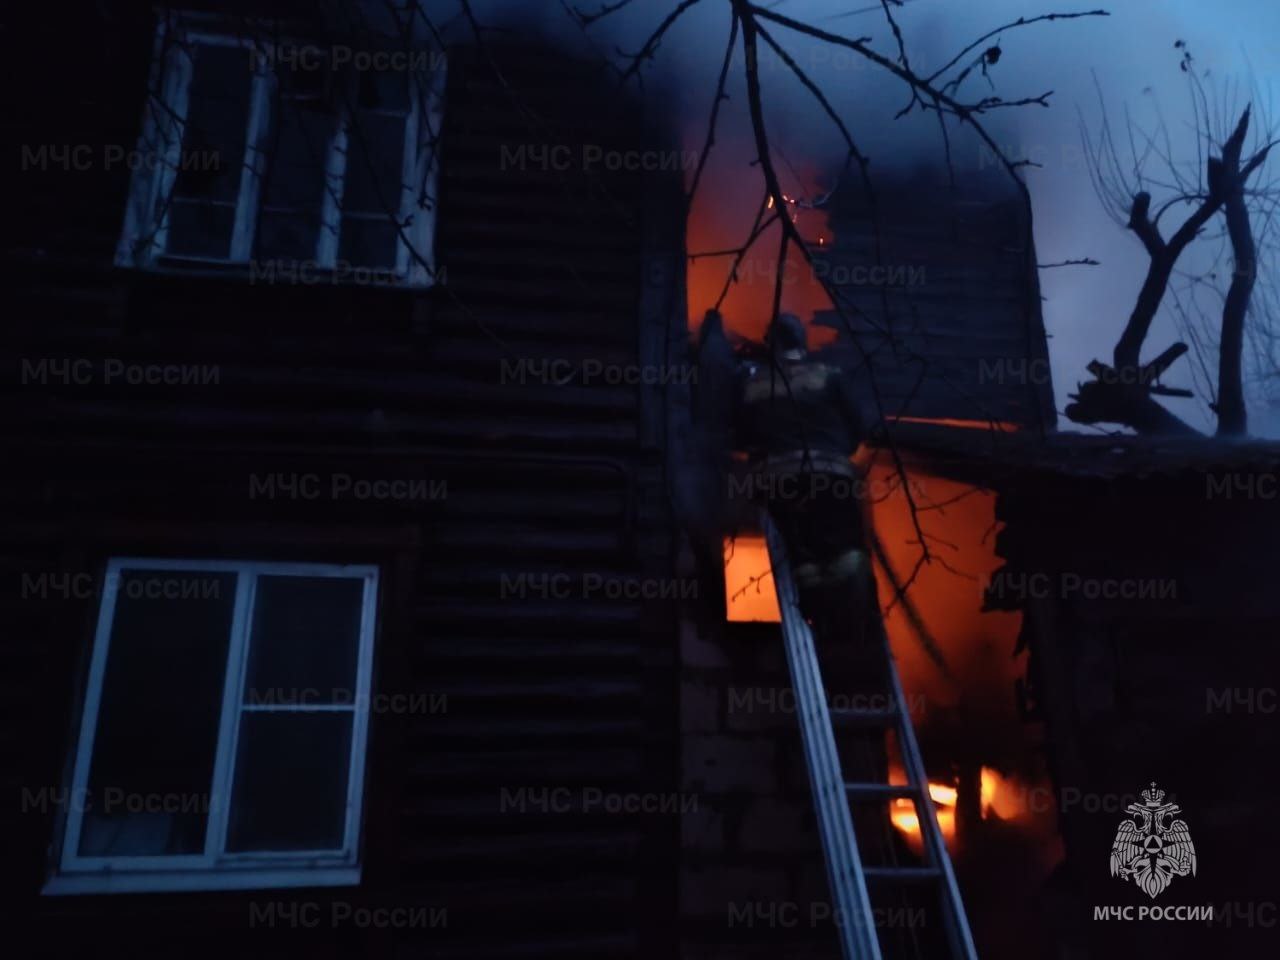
(1001, 797)
(903, 815)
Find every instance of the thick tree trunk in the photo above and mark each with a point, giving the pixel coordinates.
(1164, 254)
(1232, 417)
(1124, 393)
(1153, 287)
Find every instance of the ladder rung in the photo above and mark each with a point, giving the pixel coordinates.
(889, 790)
(864, 718)
(904, 874)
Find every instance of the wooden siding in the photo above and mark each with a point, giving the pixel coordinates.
(546, 479)
(943, 300)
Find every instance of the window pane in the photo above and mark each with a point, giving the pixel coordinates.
(375, 164)
(305, 640)
(202, 206)
(157, 726)
(293, 193)
(213, 137)
(290, 781)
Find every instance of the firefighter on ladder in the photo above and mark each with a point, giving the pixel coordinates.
(799, 423)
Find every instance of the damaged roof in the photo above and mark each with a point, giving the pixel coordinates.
(982, 452)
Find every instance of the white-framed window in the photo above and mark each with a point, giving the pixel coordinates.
(274, 154)
(222, 740)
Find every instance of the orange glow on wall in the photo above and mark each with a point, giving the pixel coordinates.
(959, 522)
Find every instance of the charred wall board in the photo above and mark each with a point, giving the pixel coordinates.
(492, 397)
(1151, 620)
(937, 287)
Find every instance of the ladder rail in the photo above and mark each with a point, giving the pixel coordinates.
(856, 929)
(913, 763)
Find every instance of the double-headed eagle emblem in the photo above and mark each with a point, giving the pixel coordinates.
(1150, 850)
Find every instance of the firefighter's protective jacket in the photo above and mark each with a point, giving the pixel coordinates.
(798, 414)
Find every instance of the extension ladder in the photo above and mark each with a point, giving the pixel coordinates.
(849, 878)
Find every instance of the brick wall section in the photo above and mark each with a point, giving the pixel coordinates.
(752, 878)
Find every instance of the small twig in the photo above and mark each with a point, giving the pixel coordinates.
(651, 45)
(720, 97)
(1079, 262)
(1020, 22)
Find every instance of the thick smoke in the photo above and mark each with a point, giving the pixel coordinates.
(1129, 56)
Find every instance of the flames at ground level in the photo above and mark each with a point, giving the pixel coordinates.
(1001, 796)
